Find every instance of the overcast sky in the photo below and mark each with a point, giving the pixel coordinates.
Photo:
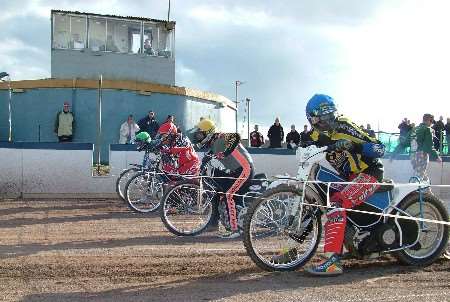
(381, 60)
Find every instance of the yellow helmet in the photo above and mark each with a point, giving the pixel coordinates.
(206, 126)
(203, 132)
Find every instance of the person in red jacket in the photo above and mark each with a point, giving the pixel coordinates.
(180, 156)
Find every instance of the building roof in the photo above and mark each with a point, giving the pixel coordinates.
(110, 16)
(139, 87)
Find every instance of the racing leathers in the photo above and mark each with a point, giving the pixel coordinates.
(179, 157)
(359, 164)
(234, 170)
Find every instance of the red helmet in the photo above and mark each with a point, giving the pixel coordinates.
(167, 128)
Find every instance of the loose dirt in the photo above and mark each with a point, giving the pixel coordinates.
(68, 250)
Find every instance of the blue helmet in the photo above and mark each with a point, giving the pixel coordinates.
(321, 112)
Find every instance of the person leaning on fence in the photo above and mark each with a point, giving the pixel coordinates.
(65, 124)
(292, 138)
(404, 141)
(422, 148)
(275, 134)
(149, 124)
(305, 137)
(256, 138)
(128, 131)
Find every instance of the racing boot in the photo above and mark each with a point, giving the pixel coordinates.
(331, 267)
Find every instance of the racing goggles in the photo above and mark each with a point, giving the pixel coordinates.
(329, 117)
(323, 122)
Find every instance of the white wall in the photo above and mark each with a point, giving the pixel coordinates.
(40, 172)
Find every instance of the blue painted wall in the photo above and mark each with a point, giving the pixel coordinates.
(4, 126)
(34, 112)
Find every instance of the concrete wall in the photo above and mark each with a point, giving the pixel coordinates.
(87, 64)
(34, 112)
(66, 169)
(54, 168)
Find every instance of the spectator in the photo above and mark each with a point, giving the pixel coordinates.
(447, 135)
(370, 131)
(292, 138)
(128, 131)
(276, 134)
(438, 131)
(403, 140)
(256, 138)
(404, 127)
(305, 137)
(65, 124)
(425, 149)
(148, 49)
(149, 124)
(170, 118)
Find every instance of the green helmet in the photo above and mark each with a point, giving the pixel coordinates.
(143, 137)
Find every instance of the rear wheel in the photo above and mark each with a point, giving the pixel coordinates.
(275, 237)
(433, 237)
(185, 211)
(122, 180)
(143, 192)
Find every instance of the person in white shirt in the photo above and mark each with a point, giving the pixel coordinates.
(128, 131)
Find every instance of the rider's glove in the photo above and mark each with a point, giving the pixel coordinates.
(343, 145)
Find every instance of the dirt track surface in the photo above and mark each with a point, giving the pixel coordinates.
(99, 251)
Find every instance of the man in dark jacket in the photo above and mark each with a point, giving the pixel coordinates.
(276, 134)
(292, 138)
(438, 131)
(404, 127)
(305, 137)
(149, 124)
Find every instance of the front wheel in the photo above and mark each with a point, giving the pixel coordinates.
(275, 236)
(122, 180)
(185, 210)
(143, 192)
(447, 252)
(433, 237)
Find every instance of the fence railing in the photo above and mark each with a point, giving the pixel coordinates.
(392, 140)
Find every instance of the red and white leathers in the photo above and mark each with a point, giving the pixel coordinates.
(350, 196)
(182, 157)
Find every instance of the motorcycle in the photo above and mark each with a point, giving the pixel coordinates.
(189, 206)
(396, 219)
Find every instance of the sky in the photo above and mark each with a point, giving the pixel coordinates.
(381, 60)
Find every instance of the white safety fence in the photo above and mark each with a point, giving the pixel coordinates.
(421, 189)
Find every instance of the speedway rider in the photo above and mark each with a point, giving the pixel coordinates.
(179, 156)
(234, 168)
(355, 156)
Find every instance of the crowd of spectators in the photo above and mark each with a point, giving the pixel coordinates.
(276, 137)
(440, 134)
(65, 125)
